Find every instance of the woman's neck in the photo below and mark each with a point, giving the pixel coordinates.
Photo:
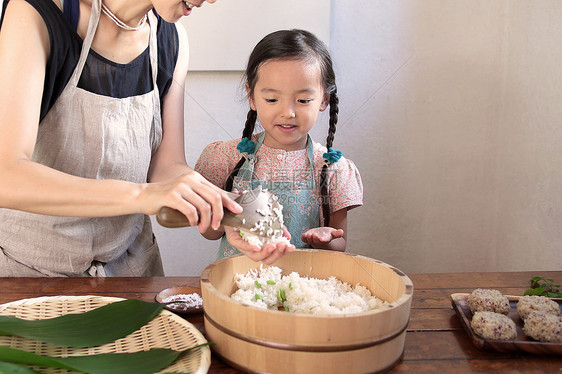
(128, 11)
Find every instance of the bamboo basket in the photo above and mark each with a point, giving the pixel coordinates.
(166, 330)
(268, 341)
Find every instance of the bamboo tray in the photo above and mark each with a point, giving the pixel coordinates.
(521, 344)
(166, 330)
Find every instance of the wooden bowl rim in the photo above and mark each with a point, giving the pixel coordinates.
(400, 301)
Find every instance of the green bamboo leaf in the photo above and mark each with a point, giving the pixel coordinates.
(96, 327)
(143, 362)
(17, 356)
(7, 368)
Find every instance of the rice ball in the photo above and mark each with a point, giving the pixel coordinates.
(543, 327)
(486, 300)
(494, 326)
(530, 303)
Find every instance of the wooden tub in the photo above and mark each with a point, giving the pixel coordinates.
(268, 341)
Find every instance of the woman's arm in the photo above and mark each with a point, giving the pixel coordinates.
(333, 237)
(200, 201)
(26, 185)
(169, 159)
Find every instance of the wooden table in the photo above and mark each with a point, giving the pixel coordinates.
(435, 339)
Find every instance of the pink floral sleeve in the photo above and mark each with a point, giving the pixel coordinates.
(346, 188)
(217, 161)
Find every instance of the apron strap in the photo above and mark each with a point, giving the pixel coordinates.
(153, 47)
(96, 269)
(259, 142)
(310, 154)
(87, 43)
(156, 133)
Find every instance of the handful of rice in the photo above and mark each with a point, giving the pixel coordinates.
(266, 288)
(263, 231)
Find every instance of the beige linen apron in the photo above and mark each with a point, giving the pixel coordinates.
(96, 137)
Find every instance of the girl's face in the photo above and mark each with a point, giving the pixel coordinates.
(288, 96)
(173, 10)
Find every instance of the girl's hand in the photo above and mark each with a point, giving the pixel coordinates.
(199, 200)
(268, 254)
(321, 235)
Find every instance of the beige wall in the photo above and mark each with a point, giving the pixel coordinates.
(529, 198)
(452, 112)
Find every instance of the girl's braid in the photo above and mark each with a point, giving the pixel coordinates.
(334, 110)
(247, 133)
(250, 124)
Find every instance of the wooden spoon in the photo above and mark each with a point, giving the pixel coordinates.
(261, 209)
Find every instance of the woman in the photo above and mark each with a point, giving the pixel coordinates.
(92, 137)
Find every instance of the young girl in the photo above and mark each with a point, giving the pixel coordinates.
(289, 80)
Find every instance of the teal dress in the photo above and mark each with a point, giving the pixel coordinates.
(297, 193)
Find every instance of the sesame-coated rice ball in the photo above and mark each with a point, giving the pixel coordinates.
(543, 327)
(530, 303)
(493, 326)
(486, 300)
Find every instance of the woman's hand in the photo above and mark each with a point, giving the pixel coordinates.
(199, 200)
(268, 254)
(321, 235)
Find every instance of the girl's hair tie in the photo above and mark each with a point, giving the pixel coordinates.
(332, 156)
(246, 146)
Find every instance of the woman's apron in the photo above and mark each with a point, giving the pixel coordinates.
(96, 137)
(297, 193)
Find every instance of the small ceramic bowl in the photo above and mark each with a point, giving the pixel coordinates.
(191, 296)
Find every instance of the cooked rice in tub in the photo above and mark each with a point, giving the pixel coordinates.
(266, 288)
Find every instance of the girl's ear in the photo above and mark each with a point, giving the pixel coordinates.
(249, 96)
(325, 102)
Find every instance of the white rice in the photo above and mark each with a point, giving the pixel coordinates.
(271, 236)
(262, 232)
(184, 301)
(265, 288)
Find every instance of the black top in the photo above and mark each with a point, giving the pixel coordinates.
(100, 75)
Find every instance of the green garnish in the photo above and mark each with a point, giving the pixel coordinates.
(541, 286)
(281, 295)
(290, 285)
(257, 296)
(271, 282)
(258, 284)
(241, 234)
(286, 309)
